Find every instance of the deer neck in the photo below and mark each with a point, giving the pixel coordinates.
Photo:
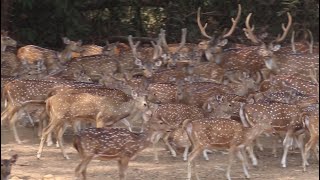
(125, 109)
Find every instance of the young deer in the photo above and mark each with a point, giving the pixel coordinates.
(6, 165)
(67, 107)
(114, 143)
(222, 133)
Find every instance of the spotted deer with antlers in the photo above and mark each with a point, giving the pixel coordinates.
(282, 63)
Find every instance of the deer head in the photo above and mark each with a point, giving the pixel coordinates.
(214, 47)
(6, 165)
(147, 66)
(6, 41)
(266, 50)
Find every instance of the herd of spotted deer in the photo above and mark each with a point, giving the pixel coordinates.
(211, 95)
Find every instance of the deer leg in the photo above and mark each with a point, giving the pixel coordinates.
(123, 166)
(166, 141)
(244, 165)
(287, 142)
(185, 153)
(205, 154)
(126, 122)
(232, 152)
(307, 153)
(259, 145)
(191, 164)
(6, 113)
(60, 141)
(274, 146)
(59, 133)
(155, 139)
(13, 121)
(252, 155)
(44, 136)
(81, 169)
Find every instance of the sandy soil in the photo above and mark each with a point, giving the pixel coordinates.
(143, 167)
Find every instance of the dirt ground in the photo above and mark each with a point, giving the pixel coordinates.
(143, 167)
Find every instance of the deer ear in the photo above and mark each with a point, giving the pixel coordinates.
(223, 42)
(79, 43)
(138, 62)
(158, 63)
(66, 40)
(276, 47)
(251, 101)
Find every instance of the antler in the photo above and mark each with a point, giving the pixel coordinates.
(202, 29)
(249, 31)
(285, 29)
(133, 46)
(311, 41)
(164, 41)
(183, 39)
(157, 48)
(234, 23)
(292, 43)
(313, 75)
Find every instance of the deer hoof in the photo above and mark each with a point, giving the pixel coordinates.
(66, 157)
(38, 156)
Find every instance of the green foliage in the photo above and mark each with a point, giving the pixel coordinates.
(44, 22)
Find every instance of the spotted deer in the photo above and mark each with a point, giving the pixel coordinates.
(217, 107)
(147, 66)
(284, 118)
(282, 63)
(171, 55)
(114, 143)
(52, 60)
(235, 59)
(173, 114)
(116, 97)
(20, 93)
(6, 165)
(67, 107)
(222, 133)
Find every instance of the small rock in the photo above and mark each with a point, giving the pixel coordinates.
(15, 178)
(48, 177)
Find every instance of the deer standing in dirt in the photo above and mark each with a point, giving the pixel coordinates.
(20, 93)
(6, 165)
(114, 143)
(222, 133)
(67, 107)
(173, 114)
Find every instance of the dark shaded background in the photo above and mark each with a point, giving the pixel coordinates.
(44, 22)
